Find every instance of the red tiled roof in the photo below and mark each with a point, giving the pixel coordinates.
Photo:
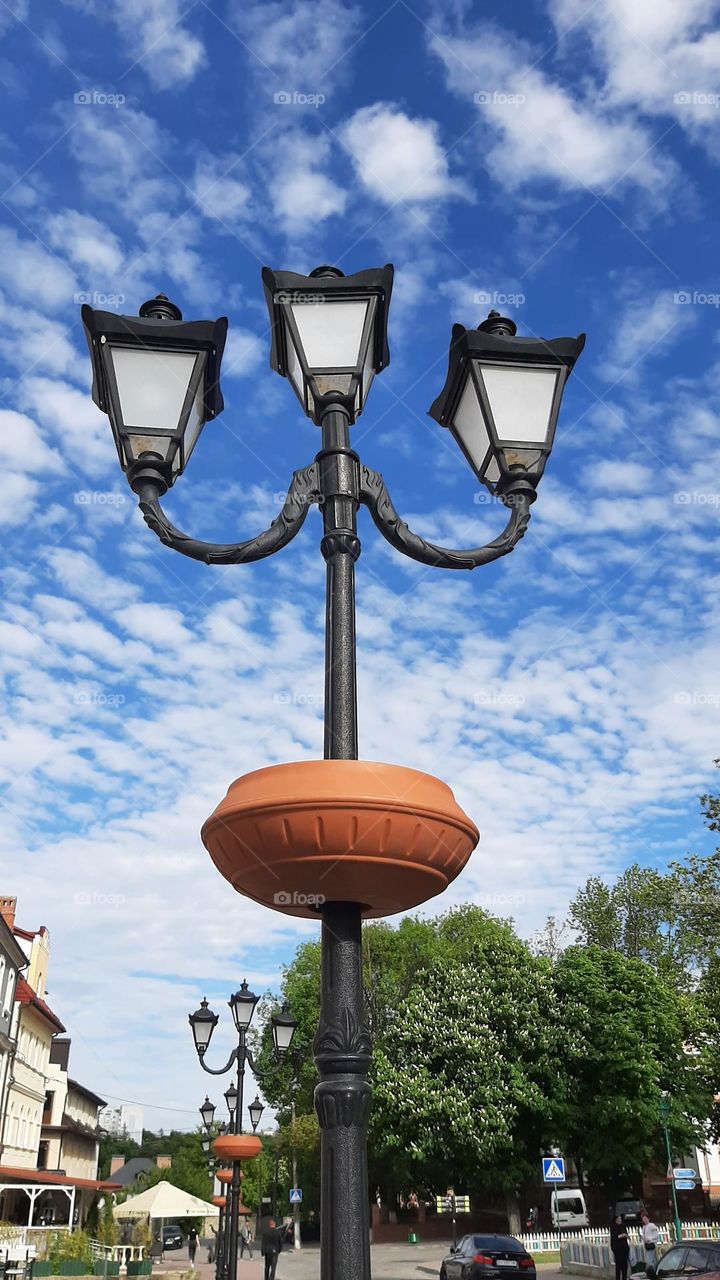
(24, 994)
(8, 1174)
(28, 934)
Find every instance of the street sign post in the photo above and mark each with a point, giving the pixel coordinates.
(683, 1174)
(553, 1169)
(684, 1184)
(296, 1195)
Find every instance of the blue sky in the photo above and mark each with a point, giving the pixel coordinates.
(555, 160)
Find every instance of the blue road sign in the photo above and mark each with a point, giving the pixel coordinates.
(296, 1195)
(684, 1184)
(553, 1168)
(684, 1174)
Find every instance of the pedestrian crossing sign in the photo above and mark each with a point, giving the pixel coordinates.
(295, 1195)
(553, 1168)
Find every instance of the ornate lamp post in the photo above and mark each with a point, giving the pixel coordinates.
(232, 1146)
(337, 838)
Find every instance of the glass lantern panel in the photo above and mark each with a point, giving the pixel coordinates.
(331, 332)
(521, 400)
(152, 385)
(470, 425)
(196, 419)
(294, 372)
(136, 445)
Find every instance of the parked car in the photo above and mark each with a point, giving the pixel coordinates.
(629, 1210)
(568, 1208)
(487, 1258)
(691, 1258)
(172, 1237)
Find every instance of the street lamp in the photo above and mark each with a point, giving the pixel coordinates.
(207, 1112)
(231, 1097)
(283, 1029)
(255, 1111)
(664, 1110)
(203, 1022)
(389, 838)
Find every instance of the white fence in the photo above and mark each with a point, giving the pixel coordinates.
(550, 1241)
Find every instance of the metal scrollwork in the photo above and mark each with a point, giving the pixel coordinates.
(375, 496)
(303, 492)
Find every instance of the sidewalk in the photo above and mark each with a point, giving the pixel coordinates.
(388, 1262)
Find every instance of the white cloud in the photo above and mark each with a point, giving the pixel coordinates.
(302, 41)
(244, 351)
(156, 37)
(398, 157)
(538, 130)
(302, 194)
(33, 273)
(87, 242)
(219, 191)
(643, 327)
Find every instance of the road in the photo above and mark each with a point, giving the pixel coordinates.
(389, 1262)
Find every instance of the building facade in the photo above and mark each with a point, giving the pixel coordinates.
(125, 1121)
(12, 961)
(70, 1136)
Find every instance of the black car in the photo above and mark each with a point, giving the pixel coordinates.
(172, 1237)
(630, 1211)
(487, 1258)
(691, 1258)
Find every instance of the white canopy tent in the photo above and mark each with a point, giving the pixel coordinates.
(166, 1202)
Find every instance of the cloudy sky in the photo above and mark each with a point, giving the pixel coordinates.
(557, 160)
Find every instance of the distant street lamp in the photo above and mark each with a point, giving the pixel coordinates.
(388, 838)
(203, 1022)
(664, 1118)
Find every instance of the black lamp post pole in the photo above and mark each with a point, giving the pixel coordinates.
(232, 1233)
(342, 1049)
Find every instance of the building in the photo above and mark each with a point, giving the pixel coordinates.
(12, 960)
(48, 1123)
(32, 1029)
(125, 1121)
(70, 1136)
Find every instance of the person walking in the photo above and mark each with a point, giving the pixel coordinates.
(270, 1247)
(620, 1246)
(245, 1240)
(650, 1237)
(192, 1245)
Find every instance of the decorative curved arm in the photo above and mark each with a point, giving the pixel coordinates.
(303, 492)
(375, 496)
(222, 1070)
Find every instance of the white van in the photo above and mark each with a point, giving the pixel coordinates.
(568, 1210)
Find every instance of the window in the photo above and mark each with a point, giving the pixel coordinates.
(695, 1260)
(671, 1264)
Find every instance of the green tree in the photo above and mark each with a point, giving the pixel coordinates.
(625, 1035)
(468, 1086)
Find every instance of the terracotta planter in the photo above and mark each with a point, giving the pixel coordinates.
(237, 1146)
(219, 1202)
(296, 835)
(225, 1175)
